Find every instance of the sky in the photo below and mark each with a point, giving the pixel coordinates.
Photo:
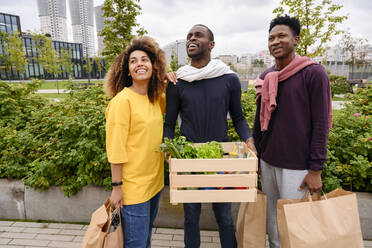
(239, 26)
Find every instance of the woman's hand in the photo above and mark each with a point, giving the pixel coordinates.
(117, 192)
(116, 196)
(172, 77)
(166, 157)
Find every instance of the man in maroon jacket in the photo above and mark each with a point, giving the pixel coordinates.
(292, 121)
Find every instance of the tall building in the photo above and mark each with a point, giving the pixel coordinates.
(265, 56)
(178, 48)
(246, 59)
(10, 23)
(52, 14)
(99, 26)
(35, 70)
(336, 61)
(229, 59)
(82, 12)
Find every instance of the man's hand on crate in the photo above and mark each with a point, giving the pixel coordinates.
(250, 145)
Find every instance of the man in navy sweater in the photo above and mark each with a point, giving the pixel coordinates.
(291, 138)
(206, 91)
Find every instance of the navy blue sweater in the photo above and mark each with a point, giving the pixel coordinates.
(203, 106)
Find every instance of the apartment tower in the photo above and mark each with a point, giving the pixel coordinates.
(82, 15)
(99, 26)
(52, 14)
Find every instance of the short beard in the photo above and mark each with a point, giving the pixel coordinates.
(198, 56)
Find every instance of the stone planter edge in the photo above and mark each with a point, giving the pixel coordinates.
(23, 203)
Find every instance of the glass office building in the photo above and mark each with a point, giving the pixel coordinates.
(10, 23)
(34, 70)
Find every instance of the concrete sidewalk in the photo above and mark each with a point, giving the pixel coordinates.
(32, 235)
(338, 104)
(58, 235)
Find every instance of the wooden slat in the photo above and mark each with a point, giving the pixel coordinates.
(213, 165)
(171, 181)
(189, 196)
(224, 180)
(249, 180)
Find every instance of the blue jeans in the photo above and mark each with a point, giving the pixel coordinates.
(137, 221)
(226, 228)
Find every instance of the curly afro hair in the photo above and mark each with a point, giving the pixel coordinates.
(292, 22)
(117, 77)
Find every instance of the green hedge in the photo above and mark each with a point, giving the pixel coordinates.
(350, 145)
(339, 84)
(49, 143)
(249, 111)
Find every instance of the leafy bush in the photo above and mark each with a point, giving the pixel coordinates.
(350, 145)
(339, 84)
(61, 144)
(249, 111)
(17, 103)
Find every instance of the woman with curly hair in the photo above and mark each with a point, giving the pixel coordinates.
(134, 130)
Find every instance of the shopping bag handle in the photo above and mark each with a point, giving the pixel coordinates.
(115, 210)
(107, 204)
(308, 195)
(110, 207)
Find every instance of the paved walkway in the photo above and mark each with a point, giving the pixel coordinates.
(58, 235)
(32, 235)
(338, 104)
(53, 91)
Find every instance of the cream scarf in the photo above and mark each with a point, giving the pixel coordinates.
(213, 69)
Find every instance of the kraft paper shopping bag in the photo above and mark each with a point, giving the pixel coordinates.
(251, 223)
(327, 222)
(114, 237)
(104, 229)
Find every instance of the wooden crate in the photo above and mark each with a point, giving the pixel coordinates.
(238, 172)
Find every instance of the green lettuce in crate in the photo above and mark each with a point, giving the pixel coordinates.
(180, 148)
(210, 150)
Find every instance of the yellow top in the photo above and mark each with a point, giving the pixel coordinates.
(134, 131)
